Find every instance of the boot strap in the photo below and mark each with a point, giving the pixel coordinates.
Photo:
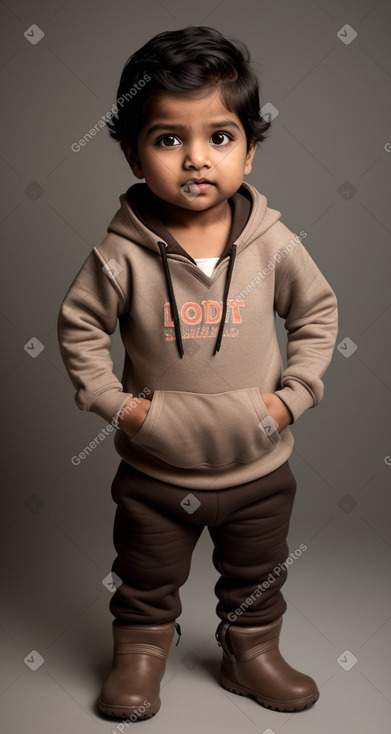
(140, 648)
(253, 652)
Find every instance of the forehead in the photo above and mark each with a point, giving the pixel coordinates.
(201, 109)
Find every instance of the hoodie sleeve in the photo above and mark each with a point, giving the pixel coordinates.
(87, 317)
(306, 301)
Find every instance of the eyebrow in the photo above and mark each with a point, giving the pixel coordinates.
(173, 127)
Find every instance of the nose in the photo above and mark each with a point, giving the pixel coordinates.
(197, 155)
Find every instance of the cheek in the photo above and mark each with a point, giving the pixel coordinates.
(158, 164)
(236, 157)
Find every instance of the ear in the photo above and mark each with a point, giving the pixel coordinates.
(133, 160)
(249, 159)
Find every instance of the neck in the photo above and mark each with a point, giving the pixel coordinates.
(186, 219)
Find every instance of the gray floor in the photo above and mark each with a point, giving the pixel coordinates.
(326, 167)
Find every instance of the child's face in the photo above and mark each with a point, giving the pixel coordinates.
(185, 138)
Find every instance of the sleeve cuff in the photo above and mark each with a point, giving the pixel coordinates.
(297, 398)
(109, 404)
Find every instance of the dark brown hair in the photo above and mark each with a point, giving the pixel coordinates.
(184, 61)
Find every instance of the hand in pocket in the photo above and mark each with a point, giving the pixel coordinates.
(132, 418)
(277, 409)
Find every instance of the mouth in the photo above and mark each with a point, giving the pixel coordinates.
(199, 181)
(196, 185)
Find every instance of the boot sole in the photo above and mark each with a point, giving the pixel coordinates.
(269, 703)
(124, 712)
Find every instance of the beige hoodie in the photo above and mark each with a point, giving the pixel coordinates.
(202, 348)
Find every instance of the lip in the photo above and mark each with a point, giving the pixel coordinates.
(197, 185)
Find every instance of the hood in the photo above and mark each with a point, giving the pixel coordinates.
(140, 220)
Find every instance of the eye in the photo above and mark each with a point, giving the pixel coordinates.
(218, 138)
(169, 139)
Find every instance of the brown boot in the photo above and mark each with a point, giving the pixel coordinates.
(132, 689)
(253, 666)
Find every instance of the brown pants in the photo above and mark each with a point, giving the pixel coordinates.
(157, 526)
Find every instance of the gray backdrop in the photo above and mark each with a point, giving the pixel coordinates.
(325, 66)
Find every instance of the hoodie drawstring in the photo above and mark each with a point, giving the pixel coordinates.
(232, 256)
(171, 296)
(173, 304)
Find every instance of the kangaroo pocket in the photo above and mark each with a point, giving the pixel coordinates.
(186, 429)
